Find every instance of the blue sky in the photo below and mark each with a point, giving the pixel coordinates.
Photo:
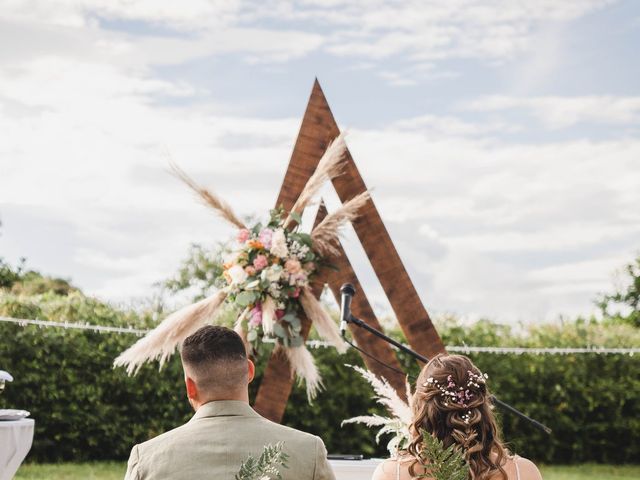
(501, 138)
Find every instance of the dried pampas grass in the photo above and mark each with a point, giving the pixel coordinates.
(209, 198)
(162, 341)
(325, 326)
(268, 315)
(239, 329)
(397, 424)
(330, 166)
(326, 234)
(387, 396)
(304, 366)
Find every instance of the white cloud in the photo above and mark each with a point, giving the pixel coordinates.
(487, 227)
(561, 112)
(420, 31)
(450, 126)
(503, 229)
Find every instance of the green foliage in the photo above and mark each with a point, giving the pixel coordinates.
(266, 466)
(115, 471)
(442, 463)
(27, 282)
(9, 275)
(623, 305)
(86, 410)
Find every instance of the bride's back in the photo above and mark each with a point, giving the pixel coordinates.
(516, 468)
(452, 403)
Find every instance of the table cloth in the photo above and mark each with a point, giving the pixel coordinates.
(354, 469)
(16, 438)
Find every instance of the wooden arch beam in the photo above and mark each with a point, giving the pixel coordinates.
(316, 132)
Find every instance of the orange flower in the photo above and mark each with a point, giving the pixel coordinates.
(256, 244)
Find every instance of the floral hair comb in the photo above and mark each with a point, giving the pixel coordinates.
(451, 392)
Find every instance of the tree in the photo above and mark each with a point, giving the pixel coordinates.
(623, 305)
(199, 271)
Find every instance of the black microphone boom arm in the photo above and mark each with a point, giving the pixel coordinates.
(349, 318)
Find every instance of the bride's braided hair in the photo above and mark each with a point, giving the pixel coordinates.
(451, 402)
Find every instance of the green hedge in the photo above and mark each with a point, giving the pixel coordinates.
(85, 410)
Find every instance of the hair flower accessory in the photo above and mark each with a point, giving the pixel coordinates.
(459, 395)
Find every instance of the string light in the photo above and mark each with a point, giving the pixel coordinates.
(23, 322)
(466, 349)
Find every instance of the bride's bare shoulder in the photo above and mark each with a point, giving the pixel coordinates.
(528, 469)
(386, 470)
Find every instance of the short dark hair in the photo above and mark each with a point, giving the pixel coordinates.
(213, 344)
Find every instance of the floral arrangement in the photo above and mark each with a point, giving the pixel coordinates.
(267, 278)
(4, 377)
(266, 467)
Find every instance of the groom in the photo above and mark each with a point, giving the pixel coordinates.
(224, 429)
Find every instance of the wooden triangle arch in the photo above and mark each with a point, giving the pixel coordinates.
(317, 130)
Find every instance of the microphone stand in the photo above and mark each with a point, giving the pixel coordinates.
(349, 318)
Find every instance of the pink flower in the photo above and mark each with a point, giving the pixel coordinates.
(243, 235)
(265, 237)
(296, 293)
(292, 266)
(260, 262)
(280, 314)
(298, 279)
(256, 316)
(251, 271)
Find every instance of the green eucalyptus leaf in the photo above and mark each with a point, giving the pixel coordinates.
(246, 298)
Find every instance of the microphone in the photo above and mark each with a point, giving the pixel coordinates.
(348, 292)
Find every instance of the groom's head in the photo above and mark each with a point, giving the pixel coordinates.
(215, 366)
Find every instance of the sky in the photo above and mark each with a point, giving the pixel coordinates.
(501, 139)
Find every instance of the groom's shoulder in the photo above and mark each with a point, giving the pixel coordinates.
(290, 432)
(164, 438)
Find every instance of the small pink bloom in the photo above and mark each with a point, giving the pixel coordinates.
(260, 262)
(280, 314)
(298, 279)
(292, 266)
(265, 237)
(243, 235)
(251, 271)
(296, 293)
(256, 316)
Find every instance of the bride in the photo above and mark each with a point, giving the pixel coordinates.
(452, 402)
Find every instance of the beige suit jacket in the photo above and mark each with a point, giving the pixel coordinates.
(215, 442)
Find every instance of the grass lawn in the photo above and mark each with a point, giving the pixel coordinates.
(115, 470)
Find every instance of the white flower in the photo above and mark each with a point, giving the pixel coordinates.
(273, 273)
(279, 244)
(237, 274)
(232, 257)
(275, 290)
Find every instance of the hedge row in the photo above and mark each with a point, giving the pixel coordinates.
(85, 410)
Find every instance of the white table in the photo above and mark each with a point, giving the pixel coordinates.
(16, 438)
(354, 469)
